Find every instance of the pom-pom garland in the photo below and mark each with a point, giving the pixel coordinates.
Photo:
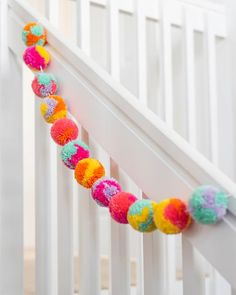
(207, 205)
(34, 34)
(64, 130)
(36, 58)
(88, 171)
(53, 108)
(171, 216)
(140, 215)
(104, 189)
(44, 84)
(119, 206)
(73, 152)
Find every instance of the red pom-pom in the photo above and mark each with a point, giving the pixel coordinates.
(63, 131)
(119, 206)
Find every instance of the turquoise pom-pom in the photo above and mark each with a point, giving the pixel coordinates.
(208, 204)
(140, 215)
(73, 152)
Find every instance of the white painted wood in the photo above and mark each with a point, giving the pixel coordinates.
(152, 12)
(43, 206)
(120, 259)
(154, 264)
(29, 159)
(166, 61)
(193, 275)
(46, 207)
(88, 240)
(141, 48)
(190, 77)
(83, 25)
(53, 215)
(65, 228)
(113, 39)
(88, 232)
(212, 89)
(11, 166)
(170, 263)
(217, 285)
(52, 11)
(140, 267)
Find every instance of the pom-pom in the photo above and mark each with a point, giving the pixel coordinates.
(53, 108)
(36, 57)
(140, 215)
(208, 204)
(104, 189)
(44, 84)
(171, 216)
(63, 131)
(34, 34)
(88, 171)
(73, 152)
(119, 206)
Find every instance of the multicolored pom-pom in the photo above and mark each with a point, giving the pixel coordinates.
(104, 189)
(44, 84)
(140, 215)
(36, 57)
(119, 206)
(73, 152)
(34, 34)
(208, 204)
(64, 130)
(171, 216)
(88, 171)
(53, 108)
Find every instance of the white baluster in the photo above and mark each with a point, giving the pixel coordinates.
(83, 25)
(89, 258)
(46, 207)
(113, 38)
(120, 258)
(65, 229)
(212, 88)
(11, 166)
(193, 274)
(141, 48)
(166, 60)
(154, 264)
(190, 77)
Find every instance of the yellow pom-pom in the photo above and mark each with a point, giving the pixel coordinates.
(171, 216)
(140, 215)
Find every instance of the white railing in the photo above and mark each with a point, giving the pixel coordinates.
(168, 54)
(167, 165)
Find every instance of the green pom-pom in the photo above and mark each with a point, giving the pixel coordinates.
(208, 204)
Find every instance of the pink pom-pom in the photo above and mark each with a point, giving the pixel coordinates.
(36, 57)
(104, 189)
(119, 206)
(63, 131)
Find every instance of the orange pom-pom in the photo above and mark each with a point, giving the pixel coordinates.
(88, 171)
